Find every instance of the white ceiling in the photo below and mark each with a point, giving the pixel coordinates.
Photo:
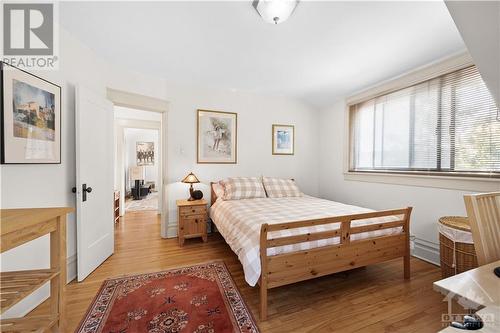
(326, 50)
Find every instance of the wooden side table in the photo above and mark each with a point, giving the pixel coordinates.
(192, 219)
(116, 206)
(19, 226)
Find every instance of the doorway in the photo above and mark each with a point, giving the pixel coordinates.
(138, 161)
(143, 107)
(142, 172)
(99, 150)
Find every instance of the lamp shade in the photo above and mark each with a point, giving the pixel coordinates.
(137, 173)
(190, 179)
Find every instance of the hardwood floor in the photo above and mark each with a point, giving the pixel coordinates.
(371, 299)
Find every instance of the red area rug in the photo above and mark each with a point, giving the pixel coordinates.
(201, 298)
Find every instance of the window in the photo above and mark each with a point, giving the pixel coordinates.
(447, 124)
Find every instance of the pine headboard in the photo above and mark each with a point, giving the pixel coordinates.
(213, 196)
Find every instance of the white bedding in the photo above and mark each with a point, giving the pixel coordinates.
(239, 222)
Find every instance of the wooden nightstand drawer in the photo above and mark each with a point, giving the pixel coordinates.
(192, 210)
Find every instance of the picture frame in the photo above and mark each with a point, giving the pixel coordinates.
(283, 139)
(145, 153)
(30, 116)
(217, 137)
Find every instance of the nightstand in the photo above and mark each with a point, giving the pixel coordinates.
(192, 219)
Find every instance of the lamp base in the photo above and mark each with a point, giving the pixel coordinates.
(191, 199)
(137, 194)
(191, 193)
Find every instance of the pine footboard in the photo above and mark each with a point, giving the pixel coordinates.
(287, 268)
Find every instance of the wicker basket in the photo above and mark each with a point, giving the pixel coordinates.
(456, 257)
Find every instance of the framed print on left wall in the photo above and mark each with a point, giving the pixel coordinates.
(31, 118)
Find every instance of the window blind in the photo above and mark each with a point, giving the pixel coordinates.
(447, 124)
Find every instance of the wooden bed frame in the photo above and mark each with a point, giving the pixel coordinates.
(283, 269)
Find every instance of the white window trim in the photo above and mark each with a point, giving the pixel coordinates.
(413, 77)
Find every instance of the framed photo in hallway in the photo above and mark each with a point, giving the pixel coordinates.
(31, 118)
(145, 152)
(283, 139)
(217, 137)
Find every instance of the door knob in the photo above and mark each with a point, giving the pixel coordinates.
(85, 190)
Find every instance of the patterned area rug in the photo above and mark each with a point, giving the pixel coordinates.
(201, 299)
(149, 202)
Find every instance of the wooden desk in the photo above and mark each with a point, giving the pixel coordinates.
(480, 287)
(19, 226)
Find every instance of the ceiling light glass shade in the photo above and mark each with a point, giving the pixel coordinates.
(275, 11)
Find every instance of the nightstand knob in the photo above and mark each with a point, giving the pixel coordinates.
(193, 210)
(196, 221)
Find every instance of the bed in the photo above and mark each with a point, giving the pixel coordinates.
(280, 241)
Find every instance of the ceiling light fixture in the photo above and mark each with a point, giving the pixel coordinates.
(275, 11)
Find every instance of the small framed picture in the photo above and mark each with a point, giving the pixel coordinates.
(145, 153)
(217, 137)
(283, 139)
(31, 118)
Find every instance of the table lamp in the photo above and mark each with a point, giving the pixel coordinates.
(190, 179)
(137, 173)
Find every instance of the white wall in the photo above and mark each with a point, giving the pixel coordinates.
(256, 114)
(50, 185)
(129, 113)
(479, 26)
(428, 203)
(132, 136)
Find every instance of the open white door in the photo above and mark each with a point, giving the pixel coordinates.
(94, 180)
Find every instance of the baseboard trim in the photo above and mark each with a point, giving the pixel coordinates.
(71, 269)
(426, 251)
(172, 229)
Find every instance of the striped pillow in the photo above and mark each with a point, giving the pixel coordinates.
(243, 188)
(281, 188)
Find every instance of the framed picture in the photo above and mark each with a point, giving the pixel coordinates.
(31, 118)
(283, 139)
(145, 152)
(217, 137)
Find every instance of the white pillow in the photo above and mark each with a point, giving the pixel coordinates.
(219, 190)
(243, 188)
(281, 188)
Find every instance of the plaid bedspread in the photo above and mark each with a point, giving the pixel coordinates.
(239, 222)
